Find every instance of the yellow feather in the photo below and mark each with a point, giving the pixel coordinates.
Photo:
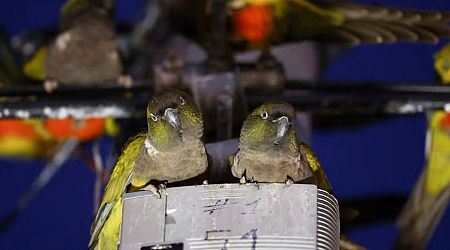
(35, 67)
(108, 235)
(22, 147)
(438, 171)
(442, 63)
(111, 127)
(314, 163)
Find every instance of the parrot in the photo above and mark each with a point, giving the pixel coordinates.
(259, 24)
(85, 50)
(431, 194)
(269, 134)
(171, 150)
(269, 150)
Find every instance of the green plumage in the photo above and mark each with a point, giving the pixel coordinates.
(170, 151)
(268, 147)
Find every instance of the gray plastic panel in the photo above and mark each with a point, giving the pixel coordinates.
(232, 216)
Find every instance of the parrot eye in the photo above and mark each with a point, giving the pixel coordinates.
(154, 118)
(182, 100)
(264, 115)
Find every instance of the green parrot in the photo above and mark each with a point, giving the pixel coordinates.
(84, 52)
(268, 147)
(170, 151)
(268, 140)
(270, 152)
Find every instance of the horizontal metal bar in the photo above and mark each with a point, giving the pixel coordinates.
(112, 99)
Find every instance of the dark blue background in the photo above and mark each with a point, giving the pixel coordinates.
(381, 157)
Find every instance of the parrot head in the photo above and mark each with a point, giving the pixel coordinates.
(173, 117)
(270, 127)
(74, 10)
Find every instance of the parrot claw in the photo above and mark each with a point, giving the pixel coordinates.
(242, 180)
(125, 81)
(50, 85)
(154, 190)
(205, 182)
(289, 182)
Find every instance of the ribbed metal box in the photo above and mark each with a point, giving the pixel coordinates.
(231, 216)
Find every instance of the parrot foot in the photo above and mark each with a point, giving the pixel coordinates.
(125, 81)
(242, 180)
(50, 85)
(289, 182)
(154, 190)
(205, 182)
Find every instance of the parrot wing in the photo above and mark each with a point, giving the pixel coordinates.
(35, 66)
(116, 187)
(336, 22)
(364, 23)
(319, 173)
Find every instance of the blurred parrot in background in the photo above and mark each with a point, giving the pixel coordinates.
(170, 151)
(84, 52)
(51, 139)
(18, 138)
(431, 195)
(25, 139)
(259, 24)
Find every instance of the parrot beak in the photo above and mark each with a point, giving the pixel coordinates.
(172, 117)
(282, 128)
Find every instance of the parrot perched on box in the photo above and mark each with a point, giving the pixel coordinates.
(268, 147)
(269, 151)
(259, 24)
(268, 141)
(84, 52)
(431, 195)
(170, 150)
